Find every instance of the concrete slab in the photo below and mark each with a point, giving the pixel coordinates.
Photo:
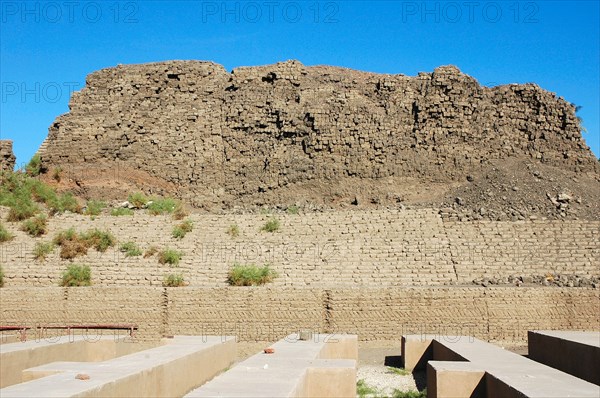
(573, 352)
(324, 366)
(172, 369)
(16, 357)
(507, 374)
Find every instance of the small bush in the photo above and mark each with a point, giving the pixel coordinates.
(293, 209)
(233, 230)
(77, 275)
(100, 240)
(152, 250)
(1, 277)
(121, 211)
(138, 200)
(250, 275)
(173, 280)
(64, 236)
(130, 249)
(162, 206)
(22, 209)
(5, 236)
(271, 226)
(73, 244)
(169, 256)
(42, 250)
(34, 167)
(363, 389)
(182, 229)
(73, 248)
(409, 394)
(63, 203)
(36, 226)
(94, 207)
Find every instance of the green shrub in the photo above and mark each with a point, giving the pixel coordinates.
(173, 280)
(271, 226)
(40, 192)
(363, 389)
(5, 236)
(130, 249)
(169, 256)
(42, 250)
(137, 200)
(182, 229)
(20, 193)
(77, 275)
(16, 193)
(1, 277)
(94, 207)
(100, 240)
(22, 209)
(250, 275)
(34, 167)
(293, 209)
(121, 211)
(162, 206)
(409, 394)
(36, 226)
(234, 230)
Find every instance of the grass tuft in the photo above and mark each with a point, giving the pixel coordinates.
(77, 275)
(182, 229)
(94, 207)
(130, 249)
(233, 230)
(363, 389)
(173, 280)
(271, 226)
(169, 256)
(138, 200)
(121, 211)
(5, 236)
(250, 275)
(36, 226)
(162, 206)
(42, 250)
(34, 167)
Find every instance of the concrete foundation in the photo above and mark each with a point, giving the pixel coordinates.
(324, 366)
(577, 353)
(177, 366)
(463, 366)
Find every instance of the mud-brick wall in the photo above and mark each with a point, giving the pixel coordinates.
(7, 157)
(500, 314)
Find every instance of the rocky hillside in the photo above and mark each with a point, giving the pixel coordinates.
(324, 137)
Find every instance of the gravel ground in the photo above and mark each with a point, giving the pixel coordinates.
(376, 363)
(385, 380)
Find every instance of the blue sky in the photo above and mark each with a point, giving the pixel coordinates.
(48, 48)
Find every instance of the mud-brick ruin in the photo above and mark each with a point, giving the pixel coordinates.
(426, 205)
(285, 133)
(7, 158)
